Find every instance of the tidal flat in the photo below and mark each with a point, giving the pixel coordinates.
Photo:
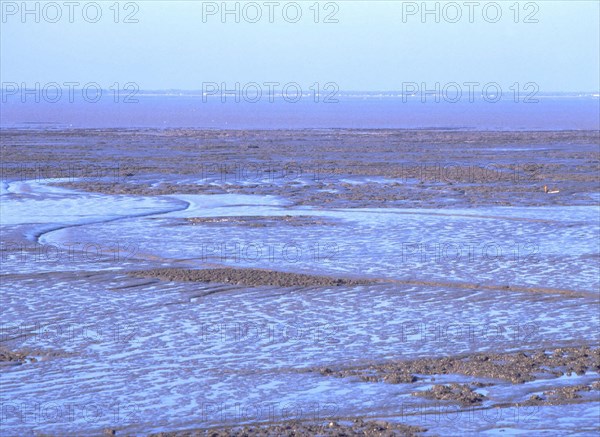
(177, 282)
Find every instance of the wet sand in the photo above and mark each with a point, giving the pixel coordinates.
(516, 368)
(357, 427)
(429, 168)
(322, 170)
(250, 277)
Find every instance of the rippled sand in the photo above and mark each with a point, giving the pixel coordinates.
(169, 294)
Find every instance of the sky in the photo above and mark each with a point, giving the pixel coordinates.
(370, 45)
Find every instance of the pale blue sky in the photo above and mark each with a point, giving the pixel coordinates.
(369, 49)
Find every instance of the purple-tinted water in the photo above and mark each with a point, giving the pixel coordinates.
(371, 110)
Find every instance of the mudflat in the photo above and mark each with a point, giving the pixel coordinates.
(293, 282)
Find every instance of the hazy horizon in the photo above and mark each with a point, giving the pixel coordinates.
(179, 45)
